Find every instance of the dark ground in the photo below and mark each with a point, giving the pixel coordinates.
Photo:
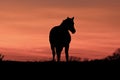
(57, 70)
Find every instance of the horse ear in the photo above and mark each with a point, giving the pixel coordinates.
(72, 18)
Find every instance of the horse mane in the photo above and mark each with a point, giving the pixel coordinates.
(64, 22)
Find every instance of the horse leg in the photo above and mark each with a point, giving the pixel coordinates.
(53, 52)
(66, 52)
(58, 51)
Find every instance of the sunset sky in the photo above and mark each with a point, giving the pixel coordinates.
(25, 26)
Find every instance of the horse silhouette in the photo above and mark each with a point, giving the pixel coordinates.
(59, 38)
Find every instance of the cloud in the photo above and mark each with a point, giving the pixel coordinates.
(26, 23)
(62, 3)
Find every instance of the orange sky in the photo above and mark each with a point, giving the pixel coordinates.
(25, 26)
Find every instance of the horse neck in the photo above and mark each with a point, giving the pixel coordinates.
(63, 27)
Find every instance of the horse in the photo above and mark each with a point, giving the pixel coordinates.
(59, 38)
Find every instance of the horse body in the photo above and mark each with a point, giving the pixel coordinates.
(59, 38)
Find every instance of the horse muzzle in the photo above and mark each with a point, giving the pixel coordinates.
(74, 31)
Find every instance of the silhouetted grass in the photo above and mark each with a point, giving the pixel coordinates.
(101, 61)
(112, 59)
